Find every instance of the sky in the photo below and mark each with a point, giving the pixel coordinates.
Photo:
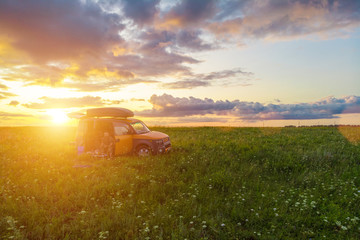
(181, 63)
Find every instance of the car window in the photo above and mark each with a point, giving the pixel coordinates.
(139, 127)
(121, 128)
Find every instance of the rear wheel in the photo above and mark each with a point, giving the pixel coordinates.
(143, 151)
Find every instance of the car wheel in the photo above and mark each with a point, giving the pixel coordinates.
(143, 151)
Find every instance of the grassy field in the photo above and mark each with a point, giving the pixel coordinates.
(218, 183)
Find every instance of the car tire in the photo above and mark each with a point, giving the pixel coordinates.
(143, 151)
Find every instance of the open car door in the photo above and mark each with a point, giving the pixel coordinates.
(123, 138)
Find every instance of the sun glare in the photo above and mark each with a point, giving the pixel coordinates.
(57, 116)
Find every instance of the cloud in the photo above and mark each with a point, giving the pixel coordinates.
(140, 11)
(104, 86)
(191, 39)
(85, 36)
(156, 62)
(122, 42)
(169, 106)
(48, 102)
(2, 86)
(224, 78)
(4, 95)
(225, 74)
(186, 84)
(287, 19)
(38, 75)
(56, 29)
(137, 100)
(230, 9)
(14, 103)
(7, 114)
(190, 13)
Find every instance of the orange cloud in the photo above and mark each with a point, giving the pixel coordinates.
(53, 30)
(48, 102)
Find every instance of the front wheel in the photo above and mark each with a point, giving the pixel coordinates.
(143, 151)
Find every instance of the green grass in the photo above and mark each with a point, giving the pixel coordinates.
(217, 183)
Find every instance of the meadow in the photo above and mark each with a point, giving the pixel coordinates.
(217, 183)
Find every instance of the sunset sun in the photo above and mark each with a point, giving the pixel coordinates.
(57, 116)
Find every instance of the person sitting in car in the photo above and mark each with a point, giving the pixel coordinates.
(107, 144)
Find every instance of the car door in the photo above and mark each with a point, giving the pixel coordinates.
(123, 138)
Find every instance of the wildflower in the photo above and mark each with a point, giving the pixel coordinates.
(103, 234)
(223, 224)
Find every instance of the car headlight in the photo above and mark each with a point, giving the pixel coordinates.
(159, 142)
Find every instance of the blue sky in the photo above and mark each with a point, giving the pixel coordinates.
(226, 62)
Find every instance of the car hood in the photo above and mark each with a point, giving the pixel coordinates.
(151, 135)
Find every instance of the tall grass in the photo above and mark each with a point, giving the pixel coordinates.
(217, 183)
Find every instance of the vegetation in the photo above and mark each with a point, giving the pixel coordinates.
(217, 183)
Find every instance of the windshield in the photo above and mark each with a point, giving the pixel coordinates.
(140, 127)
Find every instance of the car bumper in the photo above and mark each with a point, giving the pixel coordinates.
(164, 148)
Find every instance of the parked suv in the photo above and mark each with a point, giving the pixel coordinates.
(111, 131)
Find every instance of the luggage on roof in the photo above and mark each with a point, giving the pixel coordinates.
(109, 112)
